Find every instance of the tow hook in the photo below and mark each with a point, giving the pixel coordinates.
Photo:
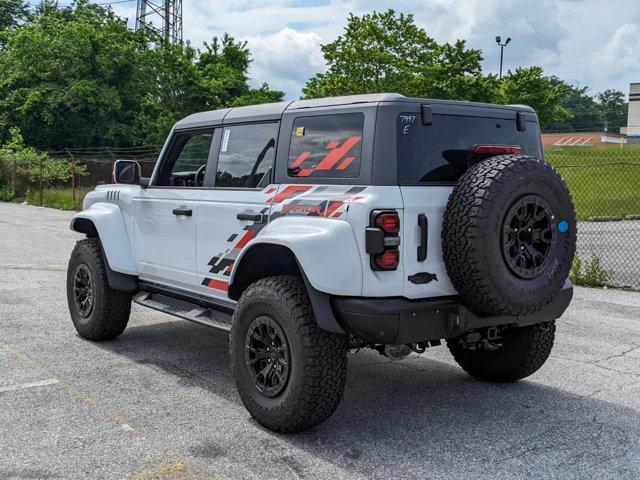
(396, 352)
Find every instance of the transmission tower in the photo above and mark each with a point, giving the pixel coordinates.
(162, 16)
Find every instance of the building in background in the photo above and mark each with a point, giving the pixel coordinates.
(581, 139)
(633, 122)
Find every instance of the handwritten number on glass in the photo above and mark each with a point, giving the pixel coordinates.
(407, 121)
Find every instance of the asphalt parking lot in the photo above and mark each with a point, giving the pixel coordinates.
(160, 402)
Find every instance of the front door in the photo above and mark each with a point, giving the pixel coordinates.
(233, 213)
(166, 213)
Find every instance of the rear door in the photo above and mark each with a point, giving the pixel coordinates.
(232, 213)
(431, 158)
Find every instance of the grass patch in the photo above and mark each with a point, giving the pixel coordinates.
(61, 198)
(602, 181)
(591, 274)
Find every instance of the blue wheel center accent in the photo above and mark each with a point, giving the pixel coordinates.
(563, 226)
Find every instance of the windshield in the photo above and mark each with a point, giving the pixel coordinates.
(441, 152)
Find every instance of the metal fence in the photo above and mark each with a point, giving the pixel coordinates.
(604, 183)
(605, 186)
(61, 178)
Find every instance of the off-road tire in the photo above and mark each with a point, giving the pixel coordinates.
(473, 228)
(318, 358)
(524, 350)
(111, 308)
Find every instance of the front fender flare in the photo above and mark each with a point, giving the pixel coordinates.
(326, 250)
(112, 232)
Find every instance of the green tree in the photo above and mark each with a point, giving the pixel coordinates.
(12, 12)
(183, 80)
(529, 86)
(584, 111)
(72, 78)
(614, 109)
(77, 76)
(388, 52)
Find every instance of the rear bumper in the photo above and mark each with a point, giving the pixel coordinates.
(398, 320)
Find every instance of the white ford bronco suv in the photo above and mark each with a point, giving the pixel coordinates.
(314, 227)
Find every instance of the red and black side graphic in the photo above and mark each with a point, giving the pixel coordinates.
(336, 159)
(289, 192)
(306, 200)
(322, 201)
(222, 263)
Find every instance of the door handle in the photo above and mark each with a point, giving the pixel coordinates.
(423, 224)
(256, 217)
(182, 211)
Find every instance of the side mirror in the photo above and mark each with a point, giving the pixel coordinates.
(127, 171)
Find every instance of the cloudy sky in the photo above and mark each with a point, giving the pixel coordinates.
(586, 42)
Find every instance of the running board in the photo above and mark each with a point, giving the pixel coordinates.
(184, 309)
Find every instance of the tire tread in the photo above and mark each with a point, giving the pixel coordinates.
(324, 362)
(110, 316)
(465, 224)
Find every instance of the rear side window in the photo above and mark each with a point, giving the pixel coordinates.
(327, 146)
(246, 155)
(441, 152)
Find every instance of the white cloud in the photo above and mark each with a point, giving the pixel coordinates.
(619, 55)
(288, 57)
(586, 42)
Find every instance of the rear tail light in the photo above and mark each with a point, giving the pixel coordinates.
(382, 240)
(497, 149)
(389, 260)
(389, 222)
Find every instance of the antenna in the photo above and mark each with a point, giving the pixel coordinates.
(167, 15)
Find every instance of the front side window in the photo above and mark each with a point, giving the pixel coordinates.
(246, 155)
(327, 146)
(185, 166)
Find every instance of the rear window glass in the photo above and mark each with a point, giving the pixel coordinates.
(327, 146)
(441, 152)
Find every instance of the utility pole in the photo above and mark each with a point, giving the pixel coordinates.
(162, 16)
(502, 45)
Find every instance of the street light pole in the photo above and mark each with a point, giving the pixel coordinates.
(502, 45)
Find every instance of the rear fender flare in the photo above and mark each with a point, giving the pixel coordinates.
(325, 249)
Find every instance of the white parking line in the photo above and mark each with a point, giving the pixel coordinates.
(41, 383)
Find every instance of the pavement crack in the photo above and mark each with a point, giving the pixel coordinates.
(618, 355)
(595, 363)
(51, 267)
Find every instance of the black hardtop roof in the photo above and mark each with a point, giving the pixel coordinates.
(273, 111)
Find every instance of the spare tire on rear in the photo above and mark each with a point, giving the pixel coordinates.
(509, 235)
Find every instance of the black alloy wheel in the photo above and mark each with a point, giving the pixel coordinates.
(83, 290)
(267, 356)
(528, 236)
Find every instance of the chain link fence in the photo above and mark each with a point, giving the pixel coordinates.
(605, 186)
(604, 183)
(60, 179)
